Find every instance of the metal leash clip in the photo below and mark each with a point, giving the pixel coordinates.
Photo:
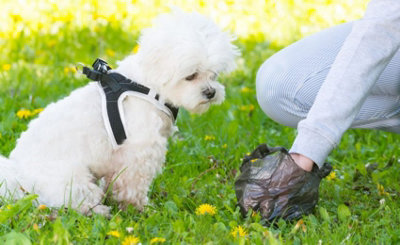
(79, 67)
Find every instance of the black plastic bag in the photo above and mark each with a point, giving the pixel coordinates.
(273, 184)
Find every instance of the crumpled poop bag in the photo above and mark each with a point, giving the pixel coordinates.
(273, 184)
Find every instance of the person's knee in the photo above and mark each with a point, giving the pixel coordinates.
(267, 92)
(274, 90)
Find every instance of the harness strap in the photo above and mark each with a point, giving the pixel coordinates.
(114, 85)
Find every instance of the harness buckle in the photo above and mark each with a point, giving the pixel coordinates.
(101, 66)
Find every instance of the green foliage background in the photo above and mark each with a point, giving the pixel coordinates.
(40, 41)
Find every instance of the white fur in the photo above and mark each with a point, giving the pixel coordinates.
(66, 149)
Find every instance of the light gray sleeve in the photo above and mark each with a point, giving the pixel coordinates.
(367, 50)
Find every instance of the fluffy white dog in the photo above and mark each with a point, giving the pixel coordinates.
(67, 148)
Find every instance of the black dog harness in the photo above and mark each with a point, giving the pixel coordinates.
(116, 87)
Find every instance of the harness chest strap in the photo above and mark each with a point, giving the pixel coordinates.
(114, 88)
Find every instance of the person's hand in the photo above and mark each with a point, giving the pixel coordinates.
(276, 186)
(302, 161)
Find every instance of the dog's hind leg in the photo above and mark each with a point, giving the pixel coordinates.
(77, 190)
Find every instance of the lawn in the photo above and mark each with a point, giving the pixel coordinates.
(358, 203)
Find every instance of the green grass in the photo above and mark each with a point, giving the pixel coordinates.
(197, 170)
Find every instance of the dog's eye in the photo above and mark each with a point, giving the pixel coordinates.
(191, 77)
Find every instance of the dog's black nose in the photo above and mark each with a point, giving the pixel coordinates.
(209, 93)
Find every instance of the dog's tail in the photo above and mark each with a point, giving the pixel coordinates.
(9, 186)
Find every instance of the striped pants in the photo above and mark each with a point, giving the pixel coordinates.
(288, 82)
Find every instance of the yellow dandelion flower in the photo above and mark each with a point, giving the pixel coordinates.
(206, 209)
(96, 16)
(130, 240)
(23, 113)
(8, 206)
(331, 176)
(69, 70)
(135, 49)
(37, 111)
(238, 232)
(65, 18)
(41, 25)
(246, 90)
(16, 17)
(42, 207)
(111, 18)
(35, 227)
(6, 67)
(157, 240)
(202, 4)
(253, 160)
(251, 107)
(224, 146)
(209, 137)
(110, 52)
(114, 233)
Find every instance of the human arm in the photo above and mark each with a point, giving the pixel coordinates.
(364, 55)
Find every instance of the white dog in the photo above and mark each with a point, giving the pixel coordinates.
(68, 148)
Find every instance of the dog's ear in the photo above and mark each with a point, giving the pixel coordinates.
(180, 41)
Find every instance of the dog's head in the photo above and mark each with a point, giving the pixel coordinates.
(181, 56)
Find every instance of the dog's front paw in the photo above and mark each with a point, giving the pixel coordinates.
(101, 209)
(137, 204)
